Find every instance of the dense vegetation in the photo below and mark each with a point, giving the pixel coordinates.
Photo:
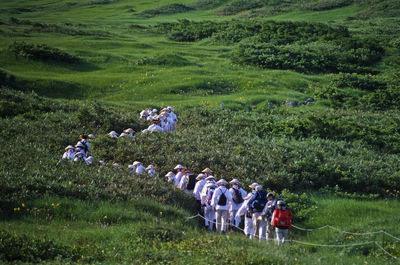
(311, 111)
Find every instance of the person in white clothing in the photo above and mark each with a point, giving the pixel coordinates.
(89, 160)
(174, 119)
(220, 201)
(138, 168)
(237, 194)
(129, 132)
(113, 134)
(123, 135)
(171, 177)
(69, 153)
(79, 157)
(201, 182)
(151, 170)
(155, 126)
(186, 180)
(179, 168)
(248, 220)
(209, 212)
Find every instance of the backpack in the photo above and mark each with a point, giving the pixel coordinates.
(260, 201)
(222, 199)
(237, 196)
(210, 194)
(282, 218)
(190, 182)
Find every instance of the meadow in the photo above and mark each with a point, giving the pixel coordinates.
(72, 67)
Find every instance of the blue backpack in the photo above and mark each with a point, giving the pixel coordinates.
(259, 202)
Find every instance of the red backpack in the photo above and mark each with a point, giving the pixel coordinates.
(282, 218)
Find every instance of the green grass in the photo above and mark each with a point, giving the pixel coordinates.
(110, 217)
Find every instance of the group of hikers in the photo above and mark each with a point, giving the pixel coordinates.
(163, 122)
(264, 215)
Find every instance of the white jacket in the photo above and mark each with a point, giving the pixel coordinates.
(217, 193)
(198, 188)
(178, 177)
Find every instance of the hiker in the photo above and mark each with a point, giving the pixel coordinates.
(209, 212)
(129, 132)
(116, 166)
(201, 182)
(80, 148)
(113, 134)
(79, 157)
(152, 114)
(282, 221)
(203, 193)
(220, 201)
(145, 113)
(267, 212)
(123, 135)
(91, 137)
(171, 177)
(151, 170)
(155, 126)
(69, 153)
(188, 181)
(174, 119)
(86, 146)
(179, 168)
(248, 218)
(256, 206)
(237, 194)
(138, 168)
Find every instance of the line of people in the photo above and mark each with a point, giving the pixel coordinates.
(163, 122)
(264, 215)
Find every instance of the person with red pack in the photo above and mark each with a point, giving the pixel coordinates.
(282, 221)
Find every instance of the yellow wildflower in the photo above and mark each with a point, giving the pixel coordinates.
(23, 204)
(105, 217)
(160, 213)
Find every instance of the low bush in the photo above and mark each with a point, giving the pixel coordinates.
(167, 10)
(41, 52)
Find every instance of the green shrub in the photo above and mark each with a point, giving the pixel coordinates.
(167, 10)
(41, 52)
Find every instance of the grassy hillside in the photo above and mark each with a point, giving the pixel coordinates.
(70, 67)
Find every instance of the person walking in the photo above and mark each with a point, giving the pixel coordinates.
(282, 221)
(220, 201)
(179, 171)
(248, 219)
(237, 194)
(268, 212)
(201, 182)
(209, 212)
(256, 206)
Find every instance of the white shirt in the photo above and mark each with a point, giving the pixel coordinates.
(183, 182)
(151, 171)
(198, 189)
(69, 154)
(217, 193)
(154, 128)
(243, 209)
(178, 177)
(140, 170)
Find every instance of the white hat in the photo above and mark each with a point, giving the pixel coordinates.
(209, 178)
(135, 163)
(253, 185)
(155, 110)
(170, 108)
(170, 174)
(116, 165)
(69, 147)
(102, 163)
(164, 109)
(150, 166)
(179, 166)
(222, 182)
(234, 181)
(258, 188)
(129, 130)
(200, 176)
(206, 170)
(113, 133)
(123, 135)
(91, 136)
(89, 160)
(78, 154)
(131, 166)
